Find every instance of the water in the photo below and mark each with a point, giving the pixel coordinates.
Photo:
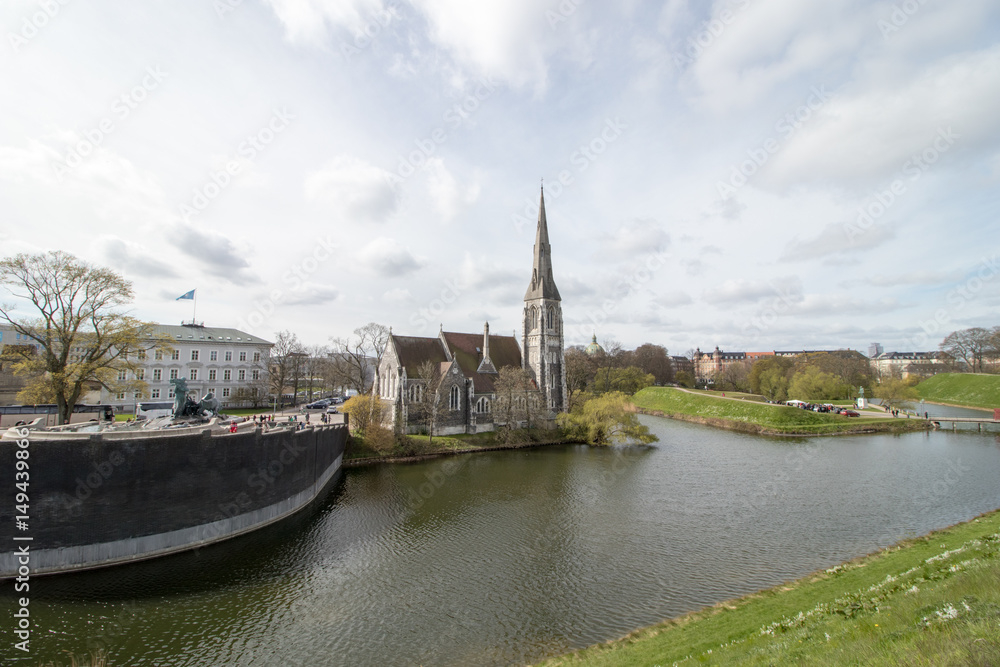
(508, 557)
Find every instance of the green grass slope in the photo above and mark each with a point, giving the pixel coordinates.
(762, 417)
(934, 600)
(974, 390)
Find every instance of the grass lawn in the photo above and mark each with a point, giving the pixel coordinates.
(762, 416)
(975, 390)
(934, 600)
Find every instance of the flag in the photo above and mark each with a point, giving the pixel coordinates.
(188, 295)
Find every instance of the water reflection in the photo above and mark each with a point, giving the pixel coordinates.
(504, 558)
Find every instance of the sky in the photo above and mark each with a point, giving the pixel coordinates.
(748, 174)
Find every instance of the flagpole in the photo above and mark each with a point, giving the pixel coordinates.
(194, 310)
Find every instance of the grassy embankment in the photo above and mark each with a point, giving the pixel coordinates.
(359, 450)
(933, 600)
(974, 390)
(754, 417)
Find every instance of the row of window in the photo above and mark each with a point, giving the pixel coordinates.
(213, 374)
(213, 355)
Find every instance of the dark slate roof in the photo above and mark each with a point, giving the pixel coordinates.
(467, 351)
(413, 351)
(189, 333)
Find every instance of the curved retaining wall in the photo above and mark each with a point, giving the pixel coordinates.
(117, 497)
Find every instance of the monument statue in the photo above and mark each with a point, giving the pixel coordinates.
(185, 406)
(862, 392)
(180, 395)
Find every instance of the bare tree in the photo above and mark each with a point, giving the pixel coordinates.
(286, 365)
(969, 345)
(613, 357)
(653, 359)
(424, 396)
(317, 357)
(81, 335)
(356, 359)
(514, 401)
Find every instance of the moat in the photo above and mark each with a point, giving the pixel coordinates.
(508, 557)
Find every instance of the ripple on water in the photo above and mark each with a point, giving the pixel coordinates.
(504, 558)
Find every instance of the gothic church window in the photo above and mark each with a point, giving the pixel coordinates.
(455, 400)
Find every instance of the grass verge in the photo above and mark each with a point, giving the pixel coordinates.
(974, 390)
(764, 419)
(933, 600)
(360, 450)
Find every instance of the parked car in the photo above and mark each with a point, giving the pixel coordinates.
(332, 410)
(851, 413)
(318, 405)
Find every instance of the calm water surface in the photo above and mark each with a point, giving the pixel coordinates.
(506, 558)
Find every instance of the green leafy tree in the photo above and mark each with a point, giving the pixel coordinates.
(685, 379)
(894, 392)
(364, 412)
(770, 377)
(812, 384)
(605, 420)
(81, 334)
(626, 380)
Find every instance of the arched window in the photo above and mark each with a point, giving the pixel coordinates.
(551, 317)
(483, 405)
(455, 401)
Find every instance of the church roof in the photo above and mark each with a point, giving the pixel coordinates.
(414, 350)
(543, 285)
(467, 350)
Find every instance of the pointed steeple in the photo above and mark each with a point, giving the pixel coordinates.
(543, 285)
(486, 365)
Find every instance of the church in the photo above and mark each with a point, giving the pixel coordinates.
(467, 365)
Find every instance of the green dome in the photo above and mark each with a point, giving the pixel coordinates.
(593, 348)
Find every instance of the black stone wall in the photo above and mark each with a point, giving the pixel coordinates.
(103, 490)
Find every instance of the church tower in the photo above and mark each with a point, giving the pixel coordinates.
(542, 338)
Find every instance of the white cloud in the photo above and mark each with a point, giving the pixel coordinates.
(385, 257)
(354, 189)
(838, 238)
(873, 135)
(744, 290)
(448, 196)
(312, 294)
(133, 258)
(633, 238)
(310, 21)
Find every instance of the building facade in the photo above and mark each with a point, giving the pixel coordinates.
(905, 364)
(230, 363)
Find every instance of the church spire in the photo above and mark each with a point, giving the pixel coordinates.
(542, 285)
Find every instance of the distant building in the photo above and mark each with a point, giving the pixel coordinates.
(905, 364)
(708, 364)
(682, 363)
(874, 350)
(11, 384)
(594, 347)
